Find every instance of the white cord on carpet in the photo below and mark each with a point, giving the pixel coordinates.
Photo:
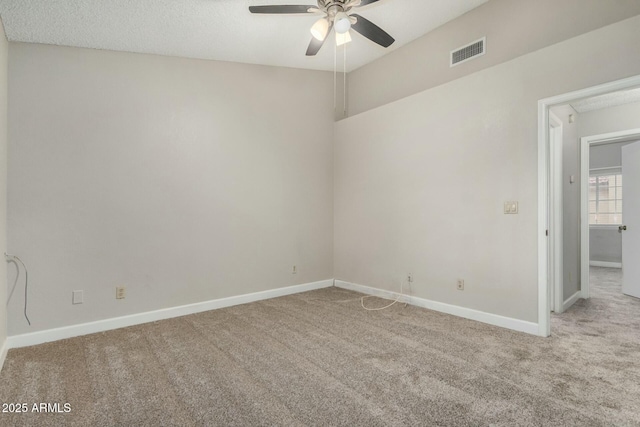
(386, 306)
(13, 258)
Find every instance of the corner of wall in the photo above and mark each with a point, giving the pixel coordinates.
(3, 352)
(4, 51)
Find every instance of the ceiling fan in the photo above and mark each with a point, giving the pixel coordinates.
(338, 16)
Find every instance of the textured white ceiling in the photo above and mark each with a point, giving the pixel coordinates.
(216, 29)
(608, 100)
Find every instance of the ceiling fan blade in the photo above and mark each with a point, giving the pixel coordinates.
(281, 9)
(372, 31)
(315, 44)
(366, 2)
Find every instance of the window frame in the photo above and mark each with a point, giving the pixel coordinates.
(596, 172)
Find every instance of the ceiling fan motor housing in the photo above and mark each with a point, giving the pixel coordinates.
(333, 7)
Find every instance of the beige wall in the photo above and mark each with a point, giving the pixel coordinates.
(607, 155)
(605, 244)
(4, 49)
(189, 180)
(570, 200)
(470, 145)
(183, 180)
(512, 27)
(613, 119)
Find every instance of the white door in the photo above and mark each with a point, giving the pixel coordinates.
(631, 219)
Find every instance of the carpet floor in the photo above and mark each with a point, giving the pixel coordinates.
(317, 358)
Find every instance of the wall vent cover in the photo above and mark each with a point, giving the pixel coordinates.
(468, 52)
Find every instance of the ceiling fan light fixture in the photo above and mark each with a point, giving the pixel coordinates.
(342, 23)
(343, 38)
(320, 29)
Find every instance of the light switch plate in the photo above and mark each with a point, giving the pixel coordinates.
(510, 207)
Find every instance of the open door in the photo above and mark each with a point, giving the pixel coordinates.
(631, 220)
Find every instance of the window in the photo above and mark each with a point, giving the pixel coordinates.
(605, 197)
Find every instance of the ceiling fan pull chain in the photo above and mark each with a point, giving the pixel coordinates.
(335, 76)
(344, 84)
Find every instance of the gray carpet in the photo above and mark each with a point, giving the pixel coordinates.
(317, 358)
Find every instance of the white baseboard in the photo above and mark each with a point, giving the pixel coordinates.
(56, 334)
(467, 313)
(571, 300)
(605, 264)
(3, 353)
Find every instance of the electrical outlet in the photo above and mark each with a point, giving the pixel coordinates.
(120, 292)
(409, 277)
(76, 297)
(294, 270)
(460, 285)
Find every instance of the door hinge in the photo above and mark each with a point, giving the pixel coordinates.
(546, 233)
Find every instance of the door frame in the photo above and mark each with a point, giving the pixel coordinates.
(547, 207)
(585, 144)
(556, 271)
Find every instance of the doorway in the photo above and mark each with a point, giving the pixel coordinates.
(550, 249)
(599, 175)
